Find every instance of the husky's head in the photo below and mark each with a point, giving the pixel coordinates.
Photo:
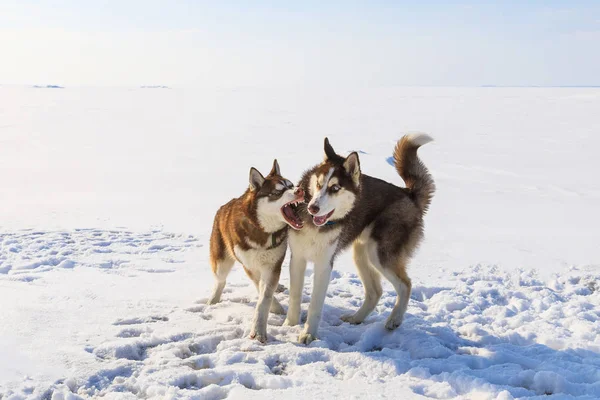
(276, 199)
(333, 186)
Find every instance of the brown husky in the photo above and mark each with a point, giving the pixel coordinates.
(382, 222)
(253, 229)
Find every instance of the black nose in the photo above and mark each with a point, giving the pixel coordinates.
(313, 209)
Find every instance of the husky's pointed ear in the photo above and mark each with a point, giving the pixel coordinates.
(352, 167)
(329, 152)
(256, 179)
(275, 169)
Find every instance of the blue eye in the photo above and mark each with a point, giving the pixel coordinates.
(335, 188)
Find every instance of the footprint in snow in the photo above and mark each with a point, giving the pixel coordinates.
(140, 320)
(131, 332)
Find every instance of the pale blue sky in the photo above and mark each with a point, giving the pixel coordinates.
(277, 43)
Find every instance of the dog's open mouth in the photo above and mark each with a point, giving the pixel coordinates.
(290, 214)
(322, 220)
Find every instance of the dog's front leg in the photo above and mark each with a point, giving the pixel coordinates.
(266, 288)
(297, 269)
(322, 275)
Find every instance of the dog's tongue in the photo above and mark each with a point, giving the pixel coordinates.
(322, 219)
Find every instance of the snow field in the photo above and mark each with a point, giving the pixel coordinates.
(485, 334)
(106, 203)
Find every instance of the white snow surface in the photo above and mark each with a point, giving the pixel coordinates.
(106, 204)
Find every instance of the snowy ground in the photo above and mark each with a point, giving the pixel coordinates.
(106, 202)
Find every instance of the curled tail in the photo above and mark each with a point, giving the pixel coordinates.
(412, 170)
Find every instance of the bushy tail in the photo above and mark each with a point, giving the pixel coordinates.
(412, 170)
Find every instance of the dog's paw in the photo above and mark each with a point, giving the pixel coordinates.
(212, 301)
(261, 337)
(280, 288)
(290, 322)
(277, 308)
(392, 324)
(351, 319)
(306, 338)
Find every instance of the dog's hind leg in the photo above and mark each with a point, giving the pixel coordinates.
(266, 288)
(276, 307)
(396, 274)
(221, 269)
(394, 270)
(371, 281)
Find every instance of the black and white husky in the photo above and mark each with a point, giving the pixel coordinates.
(382, 222)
